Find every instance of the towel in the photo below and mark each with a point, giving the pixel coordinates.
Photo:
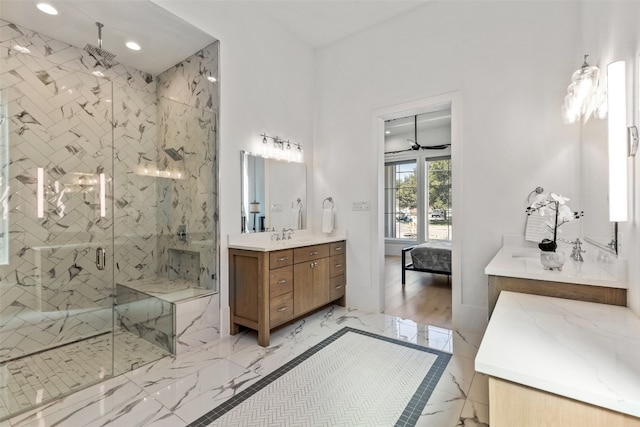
(537, 228)
(327, 220)
(296, 219)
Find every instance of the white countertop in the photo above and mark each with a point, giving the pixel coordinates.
(585, 351)
(262, 241)
(524, 262)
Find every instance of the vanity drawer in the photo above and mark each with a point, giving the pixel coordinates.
(280, 281)
(337, 265)
(309, 253)
(337, 248)
(280, 309)
(337, 287)
(280, 259)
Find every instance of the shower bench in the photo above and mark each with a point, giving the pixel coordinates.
(174, 314)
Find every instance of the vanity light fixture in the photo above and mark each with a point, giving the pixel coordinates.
(281, 149)
(582, 94)
(618, 141)
(132, 45)
(47, 8)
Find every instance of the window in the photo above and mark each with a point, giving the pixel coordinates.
(439, 198)
(401, 200)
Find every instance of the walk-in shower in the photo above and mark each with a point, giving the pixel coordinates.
(94, 279)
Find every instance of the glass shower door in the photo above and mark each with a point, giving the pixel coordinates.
(56, 232)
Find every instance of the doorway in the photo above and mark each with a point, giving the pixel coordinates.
(417, 148)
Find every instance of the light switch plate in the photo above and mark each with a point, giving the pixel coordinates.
(361, 206)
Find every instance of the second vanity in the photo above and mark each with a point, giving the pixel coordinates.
(561, 348)
(516, 267)
(273, 283)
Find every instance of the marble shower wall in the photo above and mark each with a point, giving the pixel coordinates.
(66, 120)
(60, 119)
(187, 123)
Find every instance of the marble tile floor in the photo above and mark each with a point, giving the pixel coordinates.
(62, 370)
(175, 391)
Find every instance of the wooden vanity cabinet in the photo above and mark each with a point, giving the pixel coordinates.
(589, 293)
(337, 272)
(270, 289)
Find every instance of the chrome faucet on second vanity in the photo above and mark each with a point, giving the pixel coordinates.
(576, 251)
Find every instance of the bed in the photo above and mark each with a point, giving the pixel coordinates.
(433, 256)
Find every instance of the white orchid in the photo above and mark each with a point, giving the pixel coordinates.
(553, 205)
(558, 198)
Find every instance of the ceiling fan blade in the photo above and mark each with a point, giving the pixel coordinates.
(398, 151)
(434, 147)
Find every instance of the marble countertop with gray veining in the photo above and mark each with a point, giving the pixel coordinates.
(581, 350)
(172, 290)
(522, 260)
(264, 242)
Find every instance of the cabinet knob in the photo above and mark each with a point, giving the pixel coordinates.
(280, 282)
(338, 287)
(281, 309)
(283, 259)
(313, 253)
(338, 248)
(338, 265)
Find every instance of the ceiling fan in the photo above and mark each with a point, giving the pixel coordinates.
(415, 146)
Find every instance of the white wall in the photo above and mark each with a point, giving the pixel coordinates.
(611, 33)
(511, 61)
(266, 83)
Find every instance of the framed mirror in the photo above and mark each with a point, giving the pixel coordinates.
(274, 194)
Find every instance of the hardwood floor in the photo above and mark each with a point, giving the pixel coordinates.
(426, 297)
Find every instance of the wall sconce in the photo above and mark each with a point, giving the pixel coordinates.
(618, 141)
(281, 149)
(583, 95)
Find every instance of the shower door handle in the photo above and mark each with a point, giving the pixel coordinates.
(100, 259)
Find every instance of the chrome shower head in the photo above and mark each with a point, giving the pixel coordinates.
(98, 50)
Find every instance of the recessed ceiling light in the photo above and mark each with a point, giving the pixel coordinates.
(47, 8)
(132, 45)
(212, 79)
(387, 132)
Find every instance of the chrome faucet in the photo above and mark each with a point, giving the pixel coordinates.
(576, 251)
(289, 232)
